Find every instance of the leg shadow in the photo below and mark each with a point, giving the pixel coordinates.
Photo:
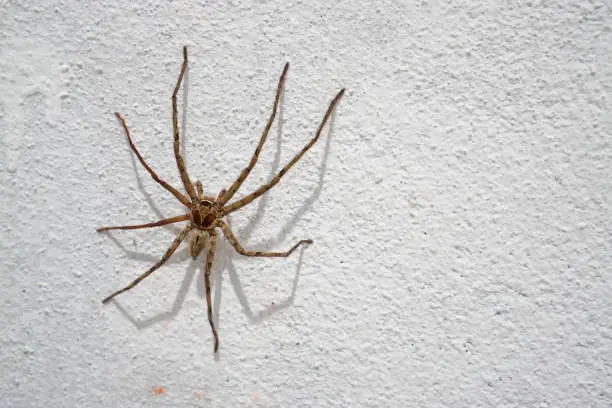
(164, 316)
(275, 307)
(247, 231)
(143, 191)
(177, 257)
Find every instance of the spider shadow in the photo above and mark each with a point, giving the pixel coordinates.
(176, 307)
(141, 188)
(177, 257)
(269, 311)
(246, 232)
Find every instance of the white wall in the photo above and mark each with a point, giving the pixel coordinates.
(460, 206)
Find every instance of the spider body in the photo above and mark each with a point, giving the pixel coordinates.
(205, 213)
(205, 217)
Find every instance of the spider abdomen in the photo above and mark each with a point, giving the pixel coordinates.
(197, 242)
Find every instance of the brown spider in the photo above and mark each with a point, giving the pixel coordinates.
(206, 212)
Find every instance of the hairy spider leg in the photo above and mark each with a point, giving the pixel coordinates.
(261, 190)
(177, 154)
(227, 231)
(165, 185)
(212, 242)
(166, 221)
(244, 174)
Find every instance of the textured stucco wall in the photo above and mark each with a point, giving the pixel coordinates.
(460, 206)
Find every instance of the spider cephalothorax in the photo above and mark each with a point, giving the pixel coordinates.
(205, 210)
(206, 213)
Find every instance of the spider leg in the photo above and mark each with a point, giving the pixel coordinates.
(172, 220)
(175, 244)
(244, 174)
(239, 248)
(165, 185)
(207, 283)
(200, 190)
(177, 154)
(261, 190)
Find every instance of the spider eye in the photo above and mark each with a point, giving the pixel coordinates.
(205, 203)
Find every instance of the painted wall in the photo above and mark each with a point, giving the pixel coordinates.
(460, 204)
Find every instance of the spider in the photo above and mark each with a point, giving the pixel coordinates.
(205, 213)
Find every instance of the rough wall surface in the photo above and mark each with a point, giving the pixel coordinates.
(460, 205)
